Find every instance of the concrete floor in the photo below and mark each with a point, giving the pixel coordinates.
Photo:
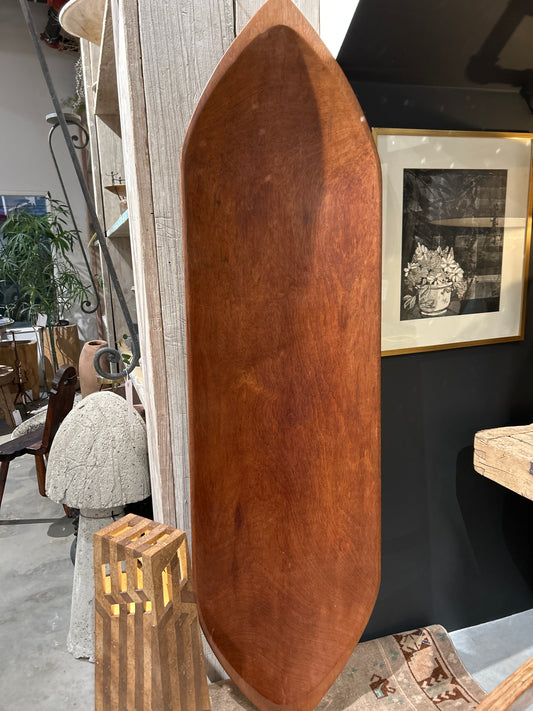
(494, 650)
(38, 674)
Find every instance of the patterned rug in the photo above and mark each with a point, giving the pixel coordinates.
(414, 670)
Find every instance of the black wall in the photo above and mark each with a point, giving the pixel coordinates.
(457, 549)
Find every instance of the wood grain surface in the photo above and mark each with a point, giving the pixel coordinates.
(67, 346)
(173, 75)
(503, 697)
(282, 215)
(505, 455)
(23, 357)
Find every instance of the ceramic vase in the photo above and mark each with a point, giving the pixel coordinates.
(88, 375)
(434, 300)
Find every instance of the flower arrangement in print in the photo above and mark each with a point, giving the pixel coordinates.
(431, 278)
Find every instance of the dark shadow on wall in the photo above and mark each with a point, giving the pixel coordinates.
(454, 544)
(521, 390)
(445, 555)
(517, 527)
(485, 67)
(405, 599)
(499, 527)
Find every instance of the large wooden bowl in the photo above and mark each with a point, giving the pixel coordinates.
(281, 199)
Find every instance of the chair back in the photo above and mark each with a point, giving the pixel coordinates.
(61, 399)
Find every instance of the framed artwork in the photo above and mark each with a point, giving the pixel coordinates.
(456, 233)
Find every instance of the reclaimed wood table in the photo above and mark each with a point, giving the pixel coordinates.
(505, 455)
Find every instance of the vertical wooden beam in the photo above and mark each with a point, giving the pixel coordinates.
(106, 155)
(245, 9)
(144, 251)
(180, 44)
(89, 55)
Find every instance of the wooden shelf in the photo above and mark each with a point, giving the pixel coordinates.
(106, 101)
(121, 228)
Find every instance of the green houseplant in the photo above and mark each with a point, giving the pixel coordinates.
(37, 269)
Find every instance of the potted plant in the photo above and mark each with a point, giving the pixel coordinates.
(36, 266)
(431, 278)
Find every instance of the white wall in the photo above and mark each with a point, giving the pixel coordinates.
(335, 19)
(26, 166)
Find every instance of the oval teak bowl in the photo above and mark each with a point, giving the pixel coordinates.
(282, 224)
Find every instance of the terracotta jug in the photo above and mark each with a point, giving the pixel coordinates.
(87, 373)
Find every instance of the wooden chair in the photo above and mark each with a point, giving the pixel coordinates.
(7, 397)
(39, 441)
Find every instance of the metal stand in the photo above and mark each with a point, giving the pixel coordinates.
(73, 119)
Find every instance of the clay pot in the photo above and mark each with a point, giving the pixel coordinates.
(88, 375)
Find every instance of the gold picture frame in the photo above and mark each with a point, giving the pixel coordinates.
(456, 237)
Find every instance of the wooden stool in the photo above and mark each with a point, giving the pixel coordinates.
(7, 397)
(22, 357)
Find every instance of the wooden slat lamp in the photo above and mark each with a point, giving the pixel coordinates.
(148, 648)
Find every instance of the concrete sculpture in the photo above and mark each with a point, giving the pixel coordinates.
(98, 463)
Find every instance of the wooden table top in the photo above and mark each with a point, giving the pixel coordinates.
(505, 455)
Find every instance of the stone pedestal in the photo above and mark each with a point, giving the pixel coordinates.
(80, 640)
(98, 463)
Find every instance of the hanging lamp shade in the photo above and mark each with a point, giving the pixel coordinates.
(84, 19)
